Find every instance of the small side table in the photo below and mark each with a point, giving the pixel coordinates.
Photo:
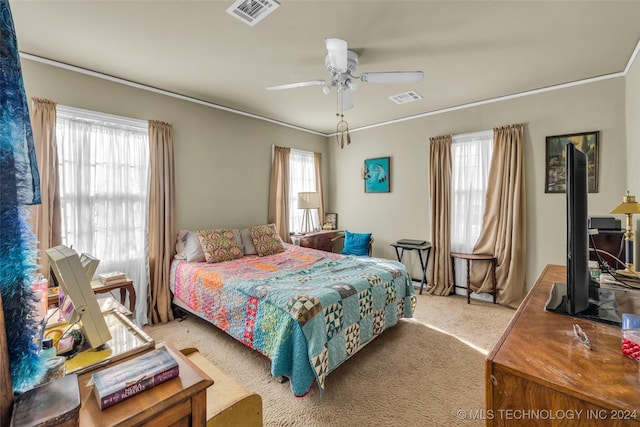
(126, 286)
(426, 248)
(475, 257)
(179, 401)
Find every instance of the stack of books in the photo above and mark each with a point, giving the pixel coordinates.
(113, 278)
(122, 381)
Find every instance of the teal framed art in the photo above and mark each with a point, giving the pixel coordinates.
(377, 175)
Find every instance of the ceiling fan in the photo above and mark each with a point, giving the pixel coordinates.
(341, 64)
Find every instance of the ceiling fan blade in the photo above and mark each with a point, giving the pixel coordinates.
(337, 50)
(294, 85)
(345, 101)
(393, 77)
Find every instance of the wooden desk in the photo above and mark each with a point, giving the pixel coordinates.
(320, 240)
(179, 401)
(538, 365)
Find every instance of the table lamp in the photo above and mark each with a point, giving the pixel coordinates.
(628, 207)
(308, 200)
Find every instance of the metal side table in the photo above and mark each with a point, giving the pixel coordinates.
(424, 260)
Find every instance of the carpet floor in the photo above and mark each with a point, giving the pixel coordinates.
(419, 373)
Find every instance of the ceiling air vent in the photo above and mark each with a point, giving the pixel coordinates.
(252, 11)
(403, 98)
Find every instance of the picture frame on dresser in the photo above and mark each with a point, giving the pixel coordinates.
(330, 221)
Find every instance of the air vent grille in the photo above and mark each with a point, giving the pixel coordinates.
(403, 98)
(252, 11)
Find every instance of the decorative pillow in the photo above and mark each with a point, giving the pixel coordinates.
(247, 241)
(266, 239)
(356, 243)
(219, 245)
(191, 249)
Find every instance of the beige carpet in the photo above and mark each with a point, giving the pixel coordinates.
(420, 372)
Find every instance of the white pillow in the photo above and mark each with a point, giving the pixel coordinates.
(192, 248)
(247, 241)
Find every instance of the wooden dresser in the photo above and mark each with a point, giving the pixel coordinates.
(320, 239)
(539, 374)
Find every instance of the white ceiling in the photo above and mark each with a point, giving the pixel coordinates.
(470, 51)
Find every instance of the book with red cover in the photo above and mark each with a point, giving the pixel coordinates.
(119, 382)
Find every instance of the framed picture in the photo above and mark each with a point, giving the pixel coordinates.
(587, 142)
(330, 221)
(377, 175)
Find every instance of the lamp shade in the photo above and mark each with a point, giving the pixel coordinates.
(628, 206)
(309, 200)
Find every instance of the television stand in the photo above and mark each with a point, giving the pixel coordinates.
(603, 308)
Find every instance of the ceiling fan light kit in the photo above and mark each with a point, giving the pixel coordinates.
(341, 64)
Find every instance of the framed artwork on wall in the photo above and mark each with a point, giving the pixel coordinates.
(587, 142)
(377, 175)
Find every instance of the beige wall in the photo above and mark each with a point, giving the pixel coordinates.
(404, 213)
(223, 160)
(633, 145)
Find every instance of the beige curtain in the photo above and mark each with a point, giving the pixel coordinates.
(279, 192)
(439, 271)
(45, 218)
(504, 223)
(317, 157)
(162, 220)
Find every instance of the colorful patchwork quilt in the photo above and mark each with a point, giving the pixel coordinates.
(305, 309)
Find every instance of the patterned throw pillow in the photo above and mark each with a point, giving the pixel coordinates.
(219, 245)
(266, 239)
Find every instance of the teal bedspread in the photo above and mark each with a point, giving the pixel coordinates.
(307, 310)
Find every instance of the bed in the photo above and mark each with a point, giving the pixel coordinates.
(307, 310)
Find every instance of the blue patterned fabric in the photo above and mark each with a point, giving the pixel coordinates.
(19, 185)
(19, 179)
(307, 310)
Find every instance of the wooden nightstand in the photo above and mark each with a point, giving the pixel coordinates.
(320, 239)
(179, 401)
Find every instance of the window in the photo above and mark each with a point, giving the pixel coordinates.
(470, 162)
(103, 165)
(302, 177)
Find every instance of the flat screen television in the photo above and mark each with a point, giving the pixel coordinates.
(580, 296)
(76, 285)
(576, 188)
